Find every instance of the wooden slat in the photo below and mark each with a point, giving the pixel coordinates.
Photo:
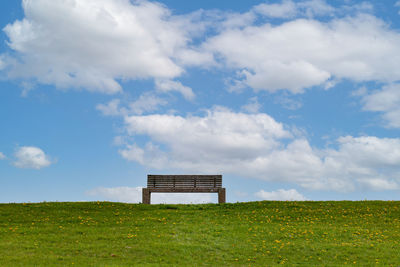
(184, 190)
(184, 181)
(184, 176)
(178, 182)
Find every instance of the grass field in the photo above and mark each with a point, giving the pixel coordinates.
(255, 233)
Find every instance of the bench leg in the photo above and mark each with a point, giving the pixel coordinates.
(146, 196)
(221, 195)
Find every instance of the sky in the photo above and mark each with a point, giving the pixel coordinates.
(288, 100)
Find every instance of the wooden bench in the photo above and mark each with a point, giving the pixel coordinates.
(183, 184)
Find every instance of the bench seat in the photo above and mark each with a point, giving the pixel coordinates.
(183, 184)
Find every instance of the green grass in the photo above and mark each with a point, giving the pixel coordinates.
(255, 233)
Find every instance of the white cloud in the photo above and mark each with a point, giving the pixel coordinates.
(91, 44)
(2, 62)
(372, 152)
(253, 106)
(134, 195)
(233, 20)
(26, 88)
(121, 194)
(218, 137)
(256, 146)
(315, 8)
(286, 9)
(195, 57)
(30, 157)
(288, 103)
(168, 85)
(111, 108)
(302, 53)
(377, 184)
(240, 194)
(146, 102)
(123, 40)
(362, 91)
(2, 156)
(280, 194)
(359, 7)
(289, 9)
(386, 101)
(183, 198)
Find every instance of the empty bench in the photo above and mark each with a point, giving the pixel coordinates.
(183, 184)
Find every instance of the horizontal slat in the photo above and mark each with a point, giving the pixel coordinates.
(184, 176)
(185, 182)
(185, 190)
(171, 182)
(182, 181)
(192, 184)
(167, 186)
(203, 186)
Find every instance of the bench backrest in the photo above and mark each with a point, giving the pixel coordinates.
(184, 181)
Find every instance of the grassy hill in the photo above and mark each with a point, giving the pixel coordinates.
(254, 233)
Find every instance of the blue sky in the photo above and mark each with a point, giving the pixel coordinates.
(289, 100)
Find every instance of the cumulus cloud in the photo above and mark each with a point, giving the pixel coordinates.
(288, 103)
(385, 101)
(220, 136)
(235, 20)
(2, 156)
(280, 194)
(2, 62)
(30, 157)
(111, 108)
(290, 9)
(92, 44)
(285, 9)
(302, 53)
(134, 195)
(122, 40)
(240, 193)
(146, 102)
(168, 85)
(257, 146)
(121, 194)
(252, 106)
(377, 184)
